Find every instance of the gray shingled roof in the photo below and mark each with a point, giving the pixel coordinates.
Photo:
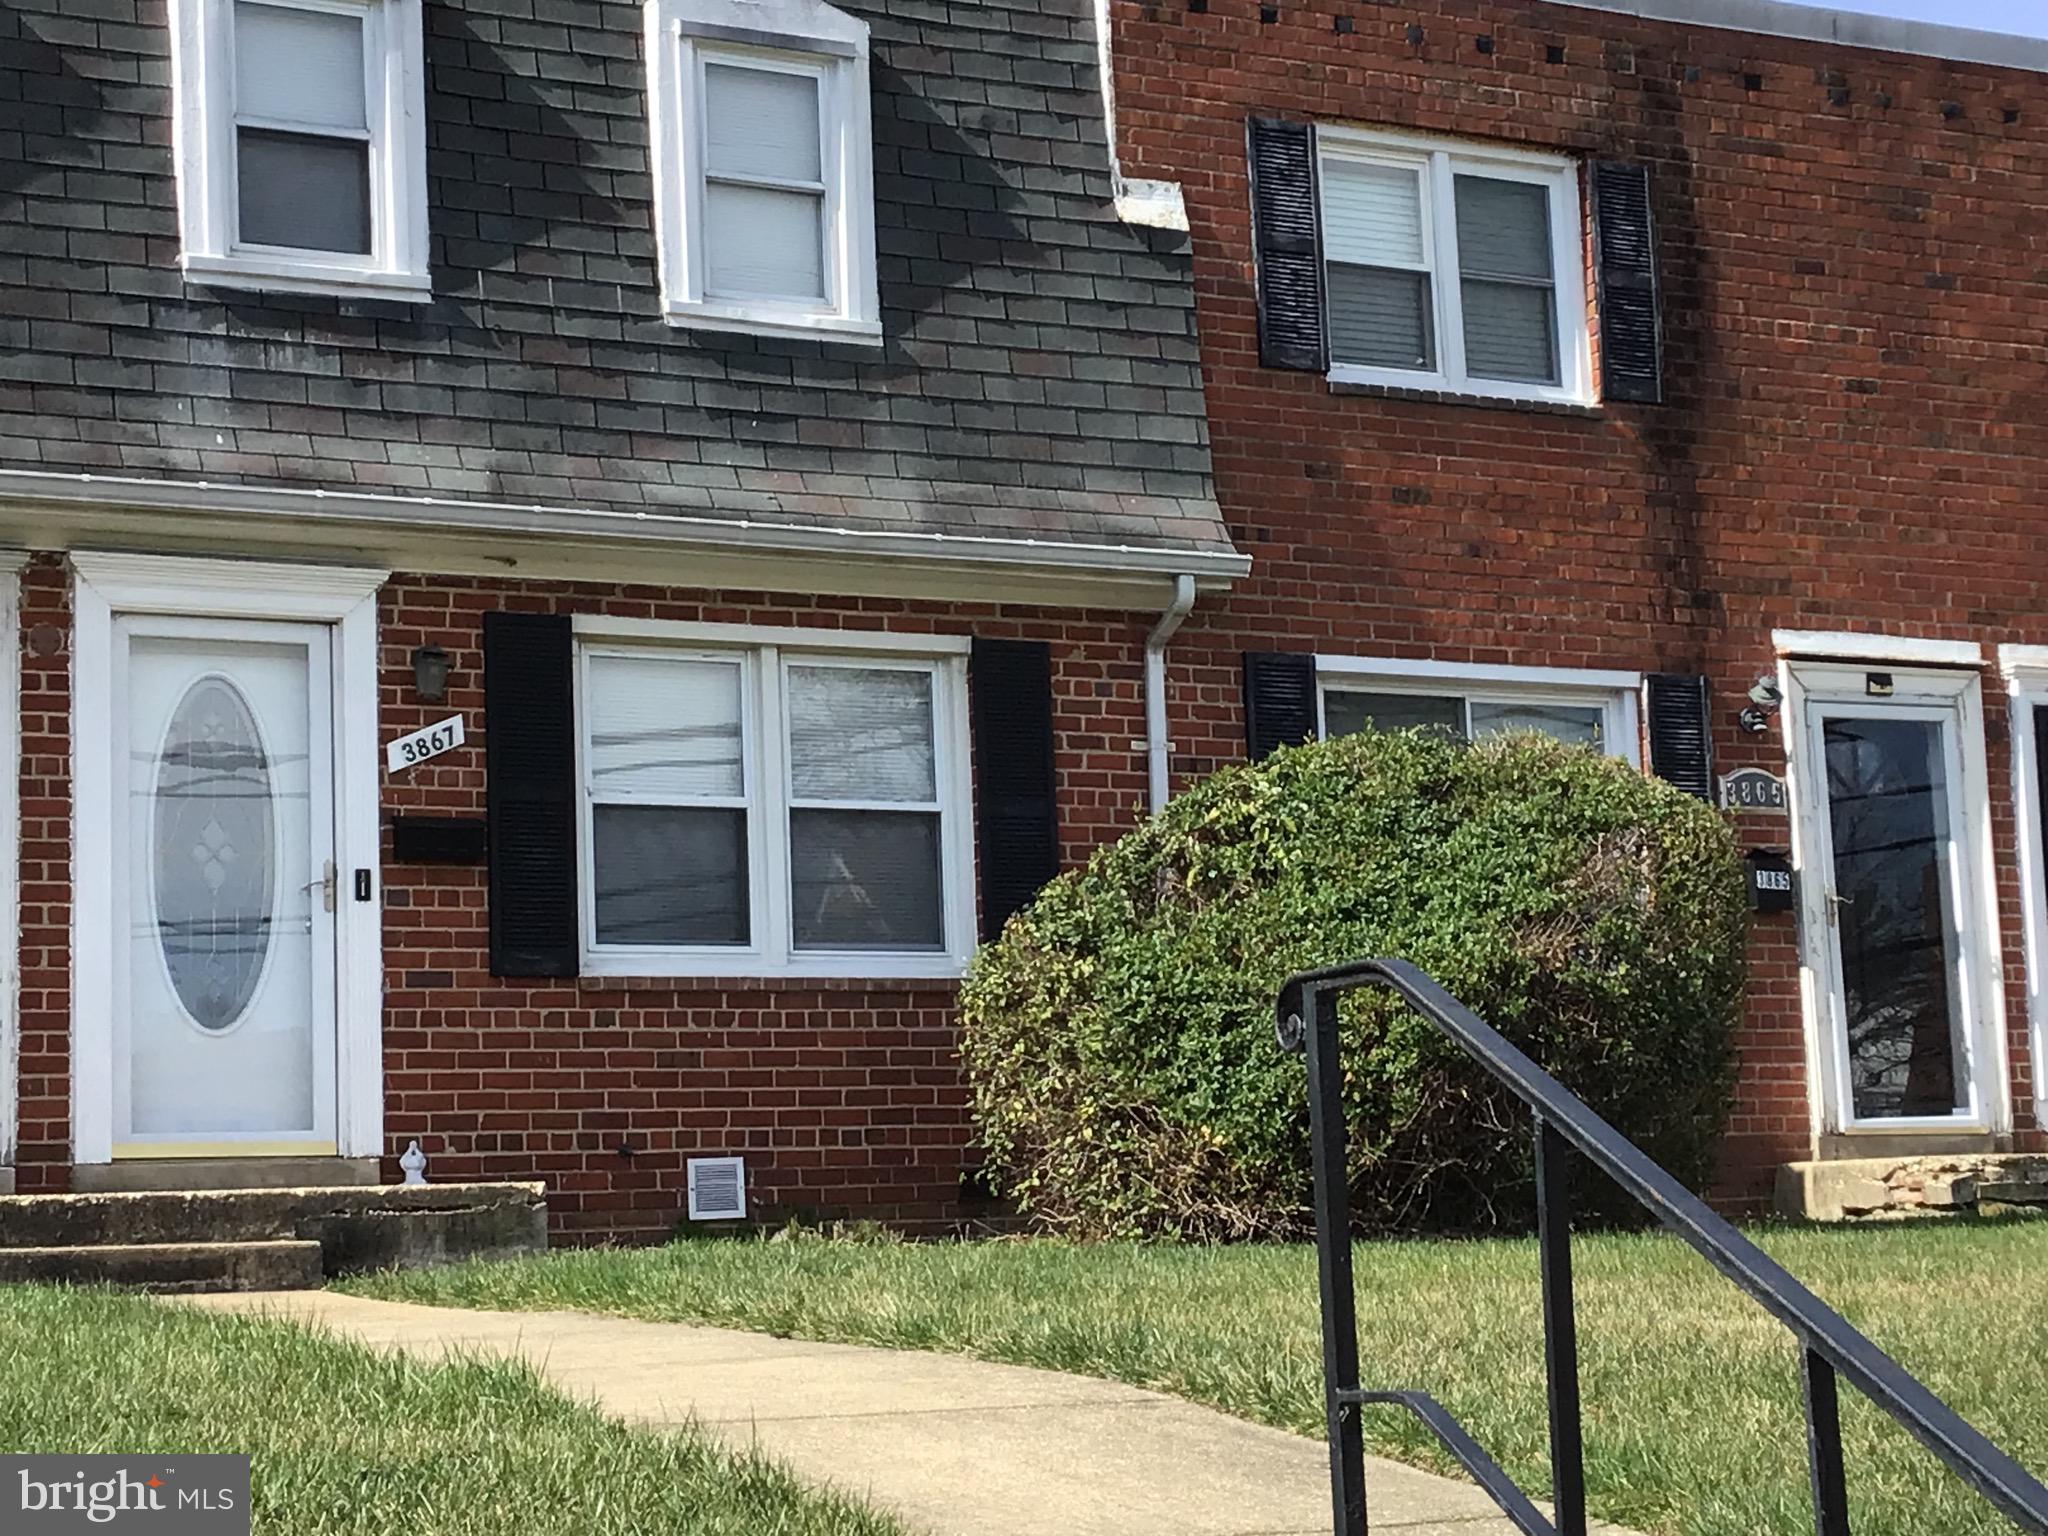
(1039, 378)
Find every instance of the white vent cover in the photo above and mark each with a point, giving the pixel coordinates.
(718, 1188)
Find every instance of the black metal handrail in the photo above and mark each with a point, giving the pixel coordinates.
(1830, 1347)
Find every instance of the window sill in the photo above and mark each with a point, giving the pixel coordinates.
(265, 275)
(746, 321)
(643, 969)
(1341, 384)
(773, 981)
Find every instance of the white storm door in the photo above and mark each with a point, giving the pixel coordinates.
(1904, 946)
(224, 889)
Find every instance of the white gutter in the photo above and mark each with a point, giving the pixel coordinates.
(31, 489)
(1809, 22)
(1157, 745)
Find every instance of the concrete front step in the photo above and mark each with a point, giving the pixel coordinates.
(352, 1228)
(1878, 1188)
(171, 1268)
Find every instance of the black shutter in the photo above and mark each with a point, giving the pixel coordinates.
(1625, 261)
(1279, 700)
(1681, 736)
(1287, 245)
(1016, 814)
(530, 757)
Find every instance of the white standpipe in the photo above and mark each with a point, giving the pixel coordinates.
(1158, 747)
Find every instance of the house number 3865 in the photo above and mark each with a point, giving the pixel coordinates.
(430, 741)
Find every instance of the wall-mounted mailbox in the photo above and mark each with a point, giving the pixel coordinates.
(1771, 886)
(437, 840)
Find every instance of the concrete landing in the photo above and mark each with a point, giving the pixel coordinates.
(952, 1446)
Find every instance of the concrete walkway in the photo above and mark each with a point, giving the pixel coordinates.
(954, 1447)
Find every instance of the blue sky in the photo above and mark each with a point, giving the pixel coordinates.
(2028, 17)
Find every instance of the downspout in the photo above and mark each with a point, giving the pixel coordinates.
(1157, 746)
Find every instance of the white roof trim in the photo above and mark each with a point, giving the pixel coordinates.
(1842, 646)
(1849, 29)
(279, 505)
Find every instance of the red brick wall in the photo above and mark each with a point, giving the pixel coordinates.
(44, 1107)
(845, 1096)
(1856, 436)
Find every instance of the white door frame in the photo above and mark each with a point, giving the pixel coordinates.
(2025, 668)
(1959, 692)
(11, 562)
(107, 585)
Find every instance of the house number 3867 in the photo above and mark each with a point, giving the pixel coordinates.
(430, 741)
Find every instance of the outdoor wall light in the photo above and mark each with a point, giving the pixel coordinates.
(430, 673)
(1765, 696)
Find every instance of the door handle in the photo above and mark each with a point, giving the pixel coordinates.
(324, 885)
(1835, 905)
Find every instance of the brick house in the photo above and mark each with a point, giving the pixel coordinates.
(1671, 377)
(469, 462)
(551, 539)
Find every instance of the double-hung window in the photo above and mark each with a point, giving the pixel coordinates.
(1588, 708)
(302, 145)
(763, 170)
(1453, 269)
(773, 808)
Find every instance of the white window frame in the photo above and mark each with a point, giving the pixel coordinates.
(804, 37)
(203, 85)
(767, 654)
(1439, 163)
(2025, 669)
(1617, 694)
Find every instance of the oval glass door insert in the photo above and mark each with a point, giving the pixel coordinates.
(214, 878)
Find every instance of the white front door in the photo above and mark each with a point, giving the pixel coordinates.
(1901, 941)
(224, 888)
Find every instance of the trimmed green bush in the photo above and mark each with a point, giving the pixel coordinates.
(1119, 1035)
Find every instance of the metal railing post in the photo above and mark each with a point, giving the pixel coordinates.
(1560, 1331)
(1824, 1446)
(1333, 1262)
(1567, 1129)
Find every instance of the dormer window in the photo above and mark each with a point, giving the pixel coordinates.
(763, 178)
(302, 145)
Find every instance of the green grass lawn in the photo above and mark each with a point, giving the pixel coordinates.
(346, 1441)
(1693, 1411)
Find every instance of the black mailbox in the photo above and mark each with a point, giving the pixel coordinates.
(1771, 887)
